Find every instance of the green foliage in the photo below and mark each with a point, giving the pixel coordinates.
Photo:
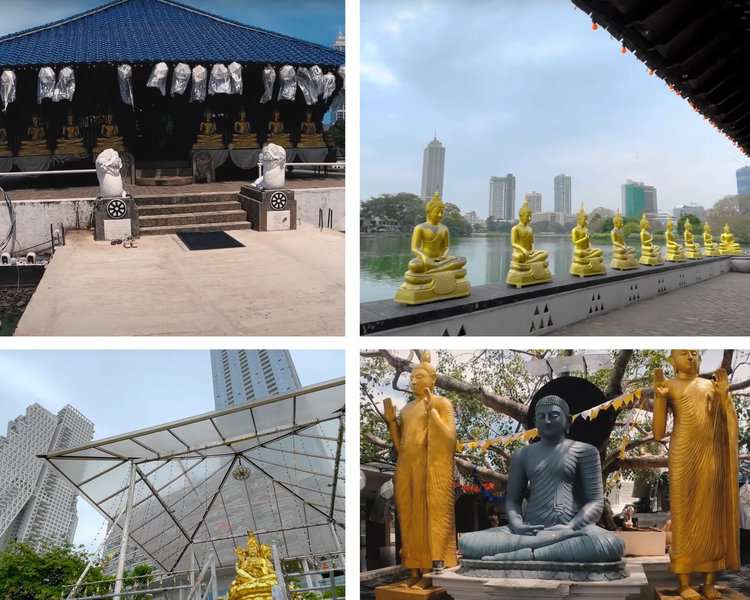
(606, 225)
(337, 131)
(407, 209)
(455, 221)
(731, 210)
(694, 221)
(493, 225)
(630, 228)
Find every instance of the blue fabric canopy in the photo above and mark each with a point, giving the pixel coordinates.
(146, 31)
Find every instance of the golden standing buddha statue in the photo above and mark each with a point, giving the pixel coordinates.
(710, 248)
(242, 136)
(703, 467)
(35, 143)
(433, 274)
(623, 256)
(527, 265)
(650, 252)
(208, 137)
(424, 435)
(309, 136)
(692, 249)
(4, 144)
(674, 250)
(109, 137)
(276, 134)
(71, 141)
(586, 260)
(728, 246)
(255, 573)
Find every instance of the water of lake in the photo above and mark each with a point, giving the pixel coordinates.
(383, 260)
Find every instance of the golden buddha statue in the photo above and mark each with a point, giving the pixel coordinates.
(728, 247)
(35, 143)
(433, 274)
(674, 250)
(255, 573)
(309, 136)
(703, 486)
(623, 256)
(650, 252)
(276, 134)
(208, 137)
(692, 249)
(710, 248)
(527, 265)
(242, 136)
(586, 260)
(5, 150)
(71, 141)
(423, 483)
(109, 137)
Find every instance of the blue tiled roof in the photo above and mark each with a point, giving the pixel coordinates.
(146, 31)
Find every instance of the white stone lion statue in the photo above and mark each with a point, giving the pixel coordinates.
(273, 160)
(108, 165)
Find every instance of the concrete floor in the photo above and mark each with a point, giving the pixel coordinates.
(281, 283)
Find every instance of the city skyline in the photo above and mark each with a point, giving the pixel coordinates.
(589, 128)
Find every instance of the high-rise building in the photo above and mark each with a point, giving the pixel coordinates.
(503, 197)
(649, 199)
(563, 202)
(535, 201)
(242, 376)
(743, 181)
(433, 168)
(37, 504)
(638, 198)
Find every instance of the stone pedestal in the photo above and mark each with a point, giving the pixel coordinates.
(115, 218)
(726, 594)
(269, 210)
(398, 592)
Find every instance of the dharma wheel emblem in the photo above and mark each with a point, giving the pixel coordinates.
(278, 201)
(116, 209)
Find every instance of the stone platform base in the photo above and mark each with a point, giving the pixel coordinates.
(726, 594)
(537, 569)
(398, 592)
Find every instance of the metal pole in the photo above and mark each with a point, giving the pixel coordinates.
(125, 531)
(214, 584)
(335, 535)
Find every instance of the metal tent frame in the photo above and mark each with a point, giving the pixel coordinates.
(193, 488)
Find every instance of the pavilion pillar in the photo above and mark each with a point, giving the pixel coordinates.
(125, 533)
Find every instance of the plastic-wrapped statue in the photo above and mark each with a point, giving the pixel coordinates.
(288, 86)
(108, 165)
(342, 74)
(692, 249)
(65, 88)
(273, 162)
(328, 84)
(703, 490)
(45, 84)
(309, 136)
(7, 88)
(125, 83)
(528, 265)
(269, 78)
(70, 142)
(208, 136)
(242, 135)
(276, 133)
(433, 274)
(180, 79)
(109, 137)
(200, 81)
(709, 246)
(158, 78)
(623, 256)
(35, 143)
(305, 83)
(235, 77)
(650, 252)
(728, 246)
(219, 82)
(674, 250)
(586, 260)
(316, 75)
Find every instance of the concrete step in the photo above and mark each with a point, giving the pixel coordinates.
(164, 180)
(190, 207)
(197, 218)
(167, 229)
(185, 198)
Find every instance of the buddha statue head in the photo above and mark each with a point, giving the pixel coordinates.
(524, 214)
(423, 376)
(669, 224)
(688, 226)
(552, 418)
(308, 116)
(108, 119)
(706, 227)
(207, 116)
(243, 115)
(434, 209)
(617, 220)
(644, 222)
(582, 217)
(726, 227)
(35, 120)
(70, 119)
(275, 115)
(685, 362)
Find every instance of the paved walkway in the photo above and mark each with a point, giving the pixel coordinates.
(718, 306)
(281, 283)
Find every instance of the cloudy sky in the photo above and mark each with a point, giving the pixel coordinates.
(525, 87)
(318, 21)
(122, 391)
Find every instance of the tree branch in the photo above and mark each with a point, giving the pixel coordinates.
(649, 461)
(726, 361)
(614, 386)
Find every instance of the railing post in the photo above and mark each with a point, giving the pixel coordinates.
(125, 532)
(214, 583)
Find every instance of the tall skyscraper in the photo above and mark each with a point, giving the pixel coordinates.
(638, 198)
(743, 181)
(242, 376)
(503, 197)
(535, 201)
(433, 168)
(563, 202)
(649, 199)
(37, 504)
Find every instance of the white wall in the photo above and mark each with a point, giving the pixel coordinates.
(309, 201)
(33, 218)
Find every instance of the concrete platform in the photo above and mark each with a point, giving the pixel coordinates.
(281, 283)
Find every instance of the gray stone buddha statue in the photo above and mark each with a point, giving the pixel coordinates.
(565, 500)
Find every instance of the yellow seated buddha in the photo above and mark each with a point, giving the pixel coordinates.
(650, 252)
(309, 136)
(35, 143)
(674, 250)
(208, 138)
(71, 141)
(623, 256)
(728, 246)
(4, 147)
(276, 133)
(433, 274)
(710, 248)
(692, 249)
(586, 260)
(527, 265)
(109, 137)
(242, 136)
(255, 575)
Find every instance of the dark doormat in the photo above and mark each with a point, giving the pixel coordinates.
(208, 240)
